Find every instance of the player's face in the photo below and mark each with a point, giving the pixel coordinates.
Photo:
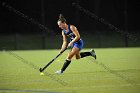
(61, 25)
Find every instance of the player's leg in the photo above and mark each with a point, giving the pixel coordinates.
(78, 56)
(70, 55)
(68, 60)
(83, 54)
(90, 53)
(73, 52)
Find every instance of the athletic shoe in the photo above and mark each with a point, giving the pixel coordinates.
(59, 72)
(93, 53)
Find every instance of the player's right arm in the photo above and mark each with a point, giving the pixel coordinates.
(64, 45)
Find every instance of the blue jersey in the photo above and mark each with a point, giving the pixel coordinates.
(71, 35)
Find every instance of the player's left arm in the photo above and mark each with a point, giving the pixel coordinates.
(76, 33)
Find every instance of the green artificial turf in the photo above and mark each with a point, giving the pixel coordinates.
(116, 70)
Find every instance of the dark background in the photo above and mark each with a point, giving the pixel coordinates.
(123, 14)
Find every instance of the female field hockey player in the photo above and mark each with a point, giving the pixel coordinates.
(76, 43)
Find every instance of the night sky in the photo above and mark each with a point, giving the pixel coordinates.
(112, 11)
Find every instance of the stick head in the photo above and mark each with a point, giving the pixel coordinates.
(40, 69)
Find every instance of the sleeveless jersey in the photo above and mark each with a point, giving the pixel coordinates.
(69, 34)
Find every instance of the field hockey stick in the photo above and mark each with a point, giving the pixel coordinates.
(42, 69)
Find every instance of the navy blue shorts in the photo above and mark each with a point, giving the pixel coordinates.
(79, 44)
